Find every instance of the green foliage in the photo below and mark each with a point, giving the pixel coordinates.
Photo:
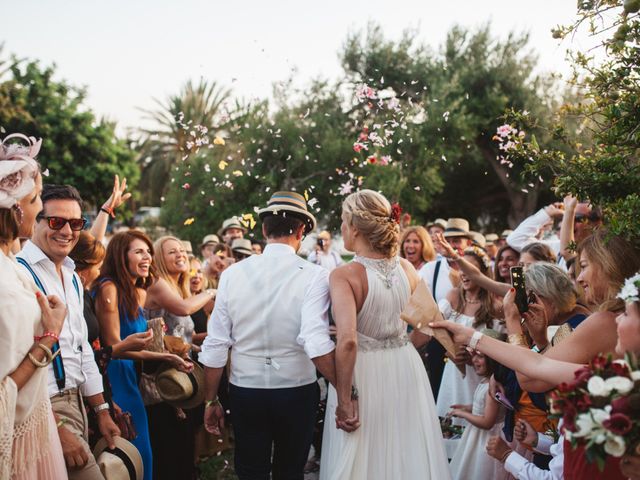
(77, 148)
(604, 170)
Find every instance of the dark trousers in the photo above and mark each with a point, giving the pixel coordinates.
(276, 422)
(435, 355)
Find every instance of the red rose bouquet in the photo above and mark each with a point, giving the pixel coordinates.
(600, 409)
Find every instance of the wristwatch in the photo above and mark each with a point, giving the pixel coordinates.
(101, 407)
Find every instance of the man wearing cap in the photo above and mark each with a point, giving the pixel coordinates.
(231, 229)
(323, 255)
(437, 275)
(272, 311)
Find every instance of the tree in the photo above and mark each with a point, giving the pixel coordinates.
(166, 145)
(603, 168)
(77, 148)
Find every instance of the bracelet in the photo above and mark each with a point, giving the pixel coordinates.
(61, 422)
(506, 454)
(37, 363)
(214, 402)
(46, 334)
(518, 339)
(101, 407)
(109, 211)
(49, 356)
(475, 338)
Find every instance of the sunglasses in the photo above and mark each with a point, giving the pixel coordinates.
(591, 217)
(57, 223)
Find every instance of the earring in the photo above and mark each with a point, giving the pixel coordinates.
(19, 211)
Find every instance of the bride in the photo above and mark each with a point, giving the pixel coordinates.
(381, 380)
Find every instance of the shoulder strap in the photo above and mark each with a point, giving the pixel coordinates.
(434, 283)
(74, 280)
(24, 263)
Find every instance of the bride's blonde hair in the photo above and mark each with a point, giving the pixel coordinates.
(370, 213)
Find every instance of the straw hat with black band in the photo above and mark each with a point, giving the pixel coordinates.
(289, 203)
(457, 227)
(181, 389)
(233, 222)
(438, 222)
(211, 239)
(122, 463)
(243, 246)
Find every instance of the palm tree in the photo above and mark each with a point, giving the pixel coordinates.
(165, 145)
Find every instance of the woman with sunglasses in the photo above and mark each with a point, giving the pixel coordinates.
(30, 322)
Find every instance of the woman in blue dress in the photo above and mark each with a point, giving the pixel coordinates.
(126, 274)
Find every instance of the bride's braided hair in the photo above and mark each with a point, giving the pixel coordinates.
(370, 213)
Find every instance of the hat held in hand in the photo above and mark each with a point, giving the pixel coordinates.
(181, 389)
(122, 463)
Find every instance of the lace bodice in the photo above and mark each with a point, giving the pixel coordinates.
(378, 323)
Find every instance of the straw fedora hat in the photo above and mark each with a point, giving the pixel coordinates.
(122, 463)
(438, 222)
(212, 238)
(181, 389)
(242, 245)
(289, 203)
(478, 239)
(506, 233)
(233, 222)
(491, 238)
(457, 227)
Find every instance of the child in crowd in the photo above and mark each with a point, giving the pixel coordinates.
(485, 418)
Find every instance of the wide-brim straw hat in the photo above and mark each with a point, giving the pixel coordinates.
(181, 389)
(242, 245)
(122, 463)
(457, 227)
(233, 222)
(289, 203)
(212, 238)
(478, 239)
(438, 222)
(491, 238)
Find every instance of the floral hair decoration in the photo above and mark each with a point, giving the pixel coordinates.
(480, 254)
(396, 211)
(629, 291)
(18, 168)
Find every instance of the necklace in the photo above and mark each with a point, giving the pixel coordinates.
(470, 302)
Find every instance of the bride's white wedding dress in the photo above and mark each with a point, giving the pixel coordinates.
(399, 437)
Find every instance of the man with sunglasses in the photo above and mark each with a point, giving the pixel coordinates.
(76, 375)
(579, 220)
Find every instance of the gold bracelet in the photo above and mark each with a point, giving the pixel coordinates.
(215, 401)
(61, 422)
(518, 339)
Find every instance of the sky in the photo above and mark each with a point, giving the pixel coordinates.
(126, 53)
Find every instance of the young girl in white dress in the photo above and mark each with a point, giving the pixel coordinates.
(471, 306)
(485, 418)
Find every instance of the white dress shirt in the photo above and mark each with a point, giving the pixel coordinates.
(328, 260)
(523, 469)
(79, 363)
(444, 284)
(527, 232)
(272, 311)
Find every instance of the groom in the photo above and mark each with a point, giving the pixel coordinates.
(272, 312)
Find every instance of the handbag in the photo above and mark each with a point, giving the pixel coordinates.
(124, 421)
(148, 389)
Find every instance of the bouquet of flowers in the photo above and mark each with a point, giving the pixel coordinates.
(600, 409)
(449, 430)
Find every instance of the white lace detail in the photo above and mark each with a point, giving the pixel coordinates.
(31, 438)
(385, 268)
(368, 344)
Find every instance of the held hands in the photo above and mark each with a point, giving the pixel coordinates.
(525, 434)
(53, 312)
(347, 416)
(214, 418)
(498, 448)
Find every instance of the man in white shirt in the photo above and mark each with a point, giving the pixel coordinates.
(323, 255)
(46, 259)
(272, 312)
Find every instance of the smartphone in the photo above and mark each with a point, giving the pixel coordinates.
(504, 401)
(517, 282)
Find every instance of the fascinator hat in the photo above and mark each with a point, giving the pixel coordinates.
(18, 168)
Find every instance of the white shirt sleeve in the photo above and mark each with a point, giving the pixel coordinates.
(526, 232)
(215, 348)
(93, 385)
(313, 257)
(314, 327)
(545, 442)
(522, 469)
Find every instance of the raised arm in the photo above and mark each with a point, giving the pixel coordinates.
(117, 198)
(566, 229)
(162, 295)
(470, 270)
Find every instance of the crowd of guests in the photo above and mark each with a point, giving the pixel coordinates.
(101, 335)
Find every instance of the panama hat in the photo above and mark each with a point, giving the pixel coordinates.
(506, 233)
(478, 239)
(212, 238)
(438, 222)
(181, 389)
(122, 463)
(491, 238)
(457, 227)
(242, 245)
(233, 222)
(289, 203)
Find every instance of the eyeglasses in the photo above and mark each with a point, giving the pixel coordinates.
(58, 223)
